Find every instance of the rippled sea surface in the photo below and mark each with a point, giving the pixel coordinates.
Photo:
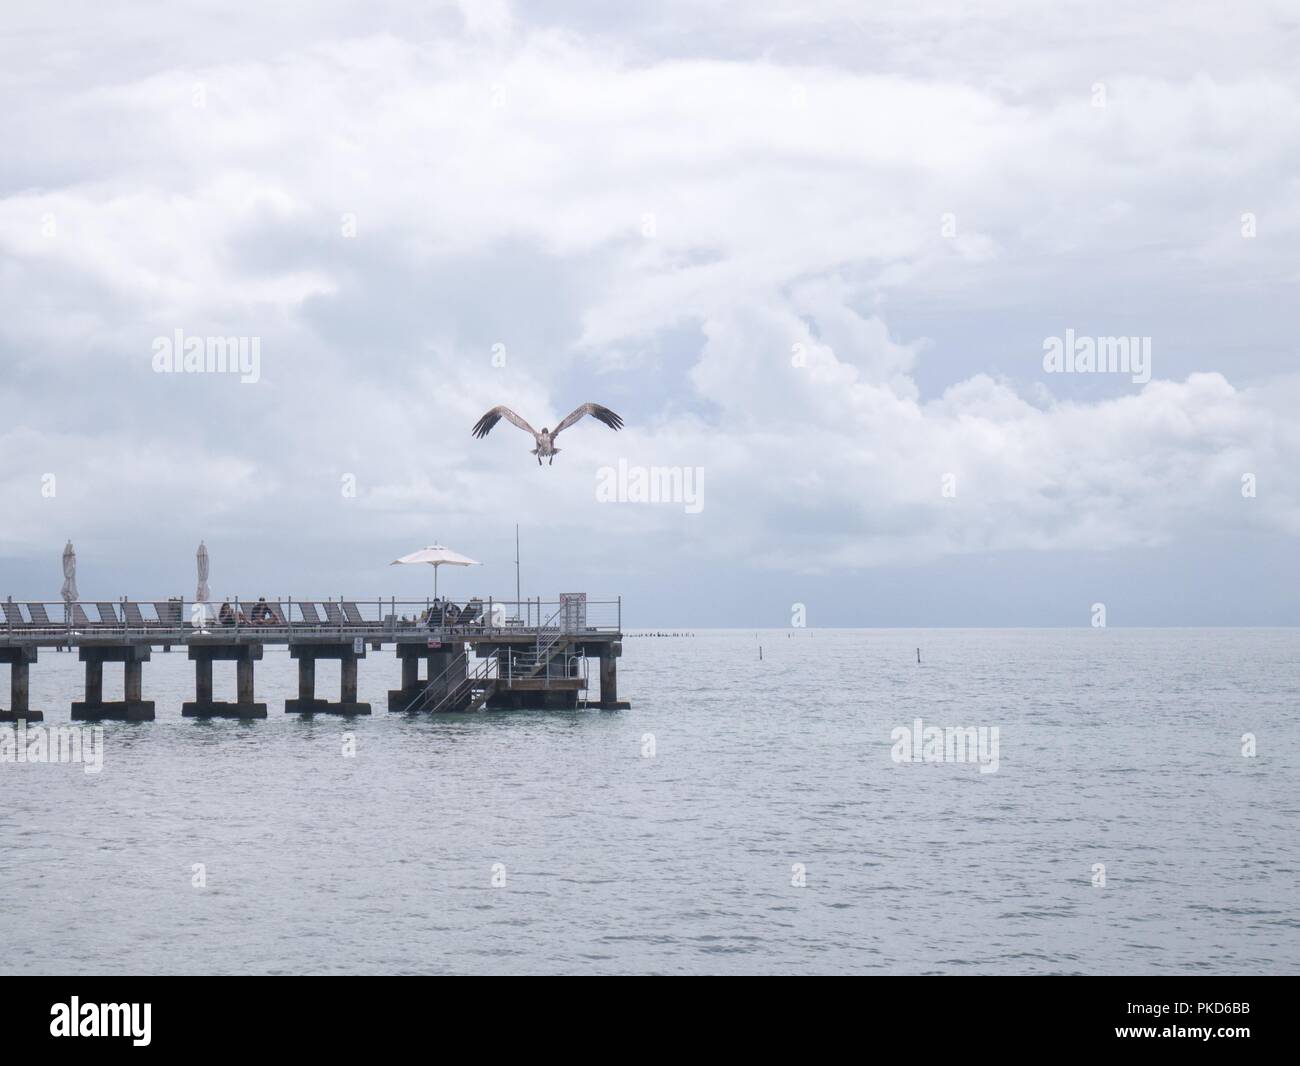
(1116, 747)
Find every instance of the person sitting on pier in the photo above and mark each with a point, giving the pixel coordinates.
(261, 613)
(227, 614)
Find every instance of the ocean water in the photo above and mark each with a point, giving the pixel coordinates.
(1116, 747)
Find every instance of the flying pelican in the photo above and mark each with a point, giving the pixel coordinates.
(546, 439)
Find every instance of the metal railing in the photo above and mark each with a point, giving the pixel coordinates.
(177, 620)
(549, 636)
(527, 667)
(479, 677)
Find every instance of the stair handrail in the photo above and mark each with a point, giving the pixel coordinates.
(429, 685)
(545, 625)
(482, 672)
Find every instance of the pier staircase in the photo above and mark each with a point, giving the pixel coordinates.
(553, 647)
(472, 691)
(468, 693)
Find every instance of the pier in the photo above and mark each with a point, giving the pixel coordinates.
(485, 654)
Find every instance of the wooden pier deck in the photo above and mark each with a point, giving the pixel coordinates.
(482, 654)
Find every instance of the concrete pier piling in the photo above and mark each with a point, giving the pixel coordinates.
(347, 654)
(203, 705)
(132, 707)
(19, 660)
(609, 675)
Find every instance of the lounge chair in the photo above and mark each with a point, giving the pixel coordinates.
(277, 614)
(134, 619)
(39, 617)
(13, 613)
(78, 616)
(169, 612)
(472, 613)
(309, 613)
(353, 614)
(108, 614)
(333, 613)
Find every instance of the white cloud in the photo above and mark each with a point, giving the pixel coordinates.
(753, 204)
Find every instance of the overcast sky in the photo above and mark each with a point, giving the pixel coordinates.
(813, 251)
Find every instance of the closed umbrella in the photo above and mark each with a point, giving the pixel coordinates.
(203, 593)
(436, 555)
(70, 593)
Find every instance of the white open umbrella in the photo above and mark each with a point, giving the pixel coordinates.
(70, 593)
(435, 555)
(203, 593)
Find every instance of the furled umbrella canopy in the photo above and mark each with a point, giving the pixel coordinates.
(203, 593)
(69, 591)
(436, 555)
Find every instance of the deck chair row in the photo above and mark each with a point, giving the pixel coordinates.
(170, 614)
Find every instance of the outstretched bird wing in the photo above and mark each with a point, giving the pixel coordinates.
(602, 414)
(485, 424)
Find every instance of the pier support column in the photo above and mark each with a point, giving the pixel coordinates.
(409, 694)
(94, 681)
(133, 707)
(412, 687)
(133, 683)
(203, 680)
(307, 703)
(244, 679)
(348, 679)
(19, 659)
(609, 656)
(307, 679)
(203, 705)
